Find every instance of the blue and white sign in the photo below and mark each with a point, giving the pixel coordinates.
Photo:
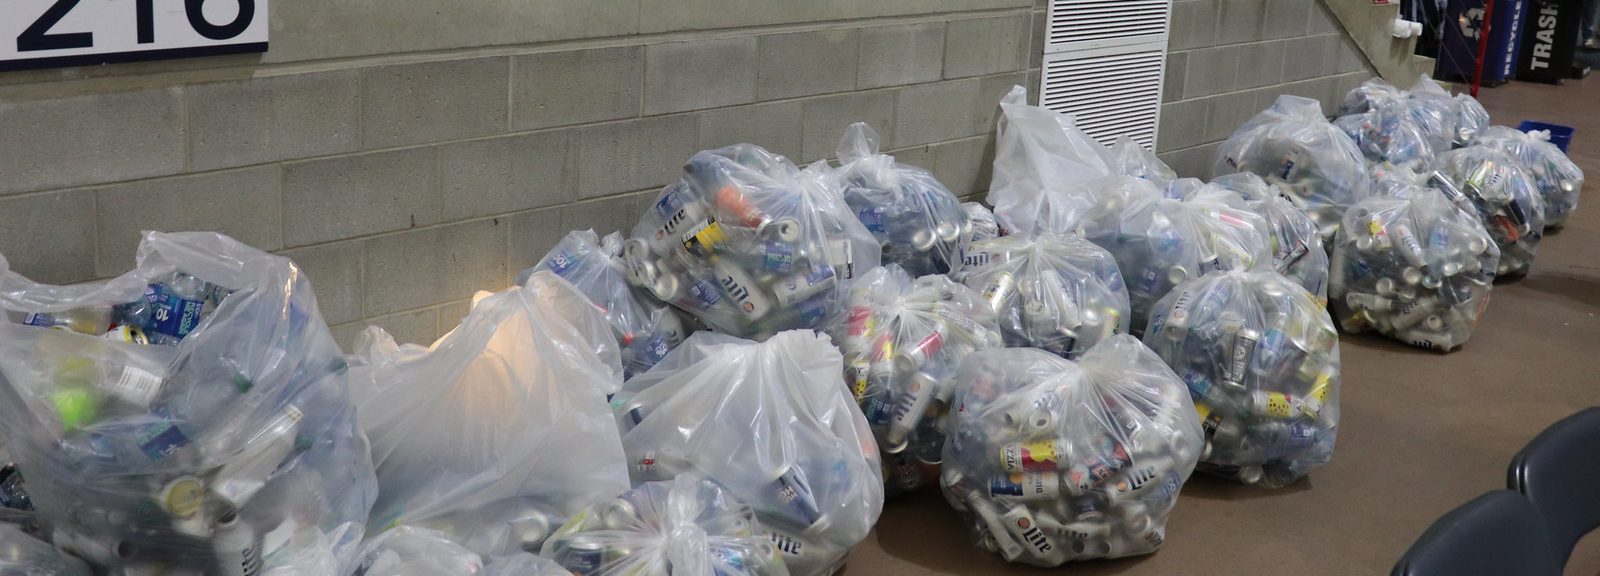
(53, 33)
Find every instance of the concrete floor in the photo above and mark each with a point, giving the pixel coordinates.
(1420, 433)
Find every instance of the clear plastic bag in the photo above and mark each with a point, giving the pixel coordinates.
(1294, 241)
(685, 526)
(411, 551)
(772, 424)
(981, 220)
(917, 222)
(1043, 168)
(1058, 293)
(750, 244)
(645, 328)
(1160, 242)
(1292, 143)
(1559, 180)
(501, 429)
(903, 341)
(1129, 158)
(523, 564)
(1507, 202)
(1414, 267)
(1472, 120)
(1051, 460)
(1260, 357)
(1371, 94)
(24, 555)
(222, 452)
(1388, 133)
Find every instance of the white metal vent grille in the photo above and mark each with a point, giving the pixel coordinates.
(1074, 21)
(1111, 94)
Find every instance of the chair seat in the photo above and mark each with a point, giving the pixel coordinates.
(1559, 472)
(1497, 534)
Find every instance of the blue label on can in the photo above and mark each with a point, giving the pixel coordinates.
(161, 438)
(1198, 383)
(794, 497)
(813, 309)
(705, 293)
(669, 204)
(40, 319)
(778, 257)
(171, 314)
(655, 348)
(1147, 280)
(562, 263)
(873, 219)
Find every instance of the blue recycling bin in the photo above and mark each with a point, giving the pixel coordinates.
(1462, 26)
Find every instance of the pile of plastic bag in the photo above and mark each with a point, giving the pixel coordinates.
(645, 328)
(1446, 121)
(750, 244)
(1414, 266)
(24, 555)
(411, 551)
(501, 429)
(1044, 168)
(190, 416)
(1558, 179)
(1160, 242)
(1388, 133)
(1292, 236)
(1260, 357)
(903, 341)
(1322, 170)
(685, 526)
(769, 422)
(1061, 294)
(1507, 202)
(1051, 460)
(918, 223)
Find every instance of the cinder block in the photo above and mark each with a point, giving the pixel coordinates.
(1183, 124)
(424, 267)
(505, 174)
(1194, 24)
(964, 166)
(416, 327)
(434, 101)
(335, 272)
(1193, 162)
(828, 116)
(1172, 81)
(348, 196)
(244, 204)
(1240, 21)
(1350, 57)
(807, 63)
(990, 90)
(1227, 112)
(1321, 20)
(326, 30)
(675, 15)
(575, 86)
(604, 215)
(91, 139)
(1309, 57)
(1210, 71)
(774, 126)
(919, 156)
(633, 154)
(533, 234)
(345, 335)
(1260, 64)
(902, 54)
(1287, 18)
(451, 315)
(928, 113)
(699, 74)
(274, 118)
(49, 237)
(979, 46)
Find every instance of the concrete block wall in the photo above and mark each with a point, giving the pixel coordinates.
(1229, 59)
(407, 156)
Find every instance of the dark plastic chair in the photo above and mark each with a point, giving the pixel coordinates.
(1559, 472)
(1496, 534)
